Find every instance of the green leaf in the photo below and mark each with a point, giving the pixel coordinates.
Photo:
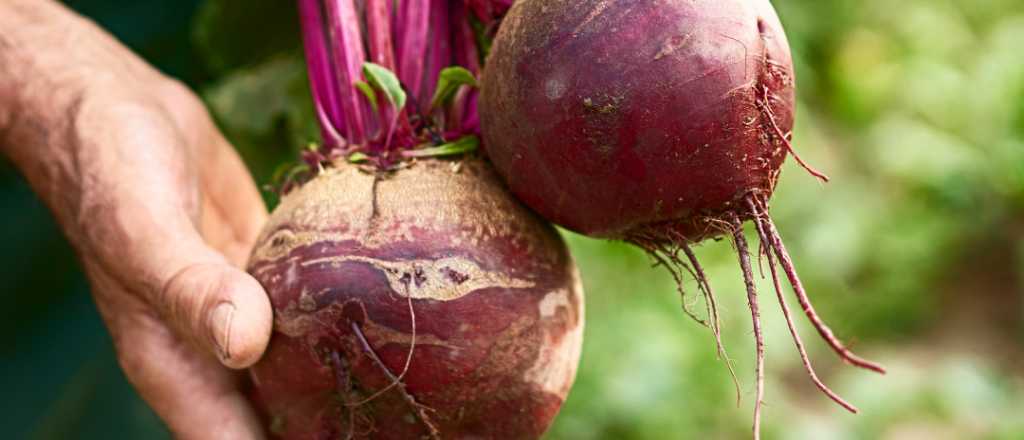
(448, 83)
(386, 81)
(368, 92)
(358, 157)
(466, 144)
(480, 32)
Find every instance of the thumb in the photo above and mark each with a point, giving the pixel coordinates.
(222, 309)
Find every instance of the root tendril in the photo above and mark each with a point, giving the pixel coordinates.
(759, 220)
(421, 411)
(743, 252)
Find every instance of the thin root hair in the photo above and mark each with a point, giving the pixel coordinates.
(743, 251)
(759, 220)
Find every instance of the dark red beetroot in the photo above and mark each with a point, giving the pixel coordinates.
(662, 123)
(589, 105)
(413, 296)
(443, 260)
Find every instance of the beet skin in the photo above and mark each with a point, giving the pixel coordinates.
(661, 123)
(608, 117)
(365, 266)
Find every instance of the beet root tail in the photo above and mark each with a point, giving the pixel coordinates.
(775, 242)
(419, 409)
(786, 312)
(748, 279)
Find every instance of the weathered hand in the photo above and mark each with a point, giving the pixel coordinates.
(159, 207)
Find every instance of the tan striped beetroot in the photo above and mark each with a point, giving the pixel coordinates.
(429, 303)
(414, 297)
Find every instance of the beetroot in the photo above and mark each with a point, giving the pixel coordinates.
(413, 296)
(662, 123)
(432, 272)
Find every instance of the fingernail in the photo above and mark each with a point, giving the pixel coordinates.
(220, 323)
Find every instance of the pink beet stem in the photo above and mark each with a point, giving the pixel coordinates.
(413, 23)
(348, 55)
(323, 86)
(378, 29)
(439, 49)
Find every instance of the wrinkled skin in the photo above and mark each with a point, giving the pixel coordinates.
(159, 208)
(497, 302)
(612, 117)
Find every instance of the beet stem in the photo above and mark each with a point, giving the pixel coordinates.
(758, 222)
(716, 326)
(743, 252)
(826, 333)
(419, 409)
(346, 51)
(785, 140)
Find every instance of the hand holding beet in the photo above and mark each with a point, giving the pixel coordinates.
(413, 296)
(155, 201)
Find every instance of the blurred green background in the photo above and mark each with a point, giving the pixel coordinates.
(915, 252)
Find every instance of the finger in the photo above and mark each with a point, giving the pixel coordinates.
(157, 251)
(210, 302)
(221, 235)
(222, 309)
(197, 398)
(231, 188)
(224, 176)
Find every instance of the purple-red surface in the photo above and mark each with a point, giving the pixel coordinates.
(615, 117)
(436, 260)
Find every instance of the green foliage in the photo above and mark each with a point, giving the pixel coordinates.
(463, 145)
(237, 33)
(367, 91)
(267, 112)
(449, 82)
(358, 157)
(385, 81)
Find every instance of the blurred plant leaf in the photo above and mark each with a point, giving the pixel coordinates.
(267, 112)
(358, 157)
(234, 33)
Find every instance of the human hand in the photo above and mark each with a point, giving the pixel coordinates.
(159, 207)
